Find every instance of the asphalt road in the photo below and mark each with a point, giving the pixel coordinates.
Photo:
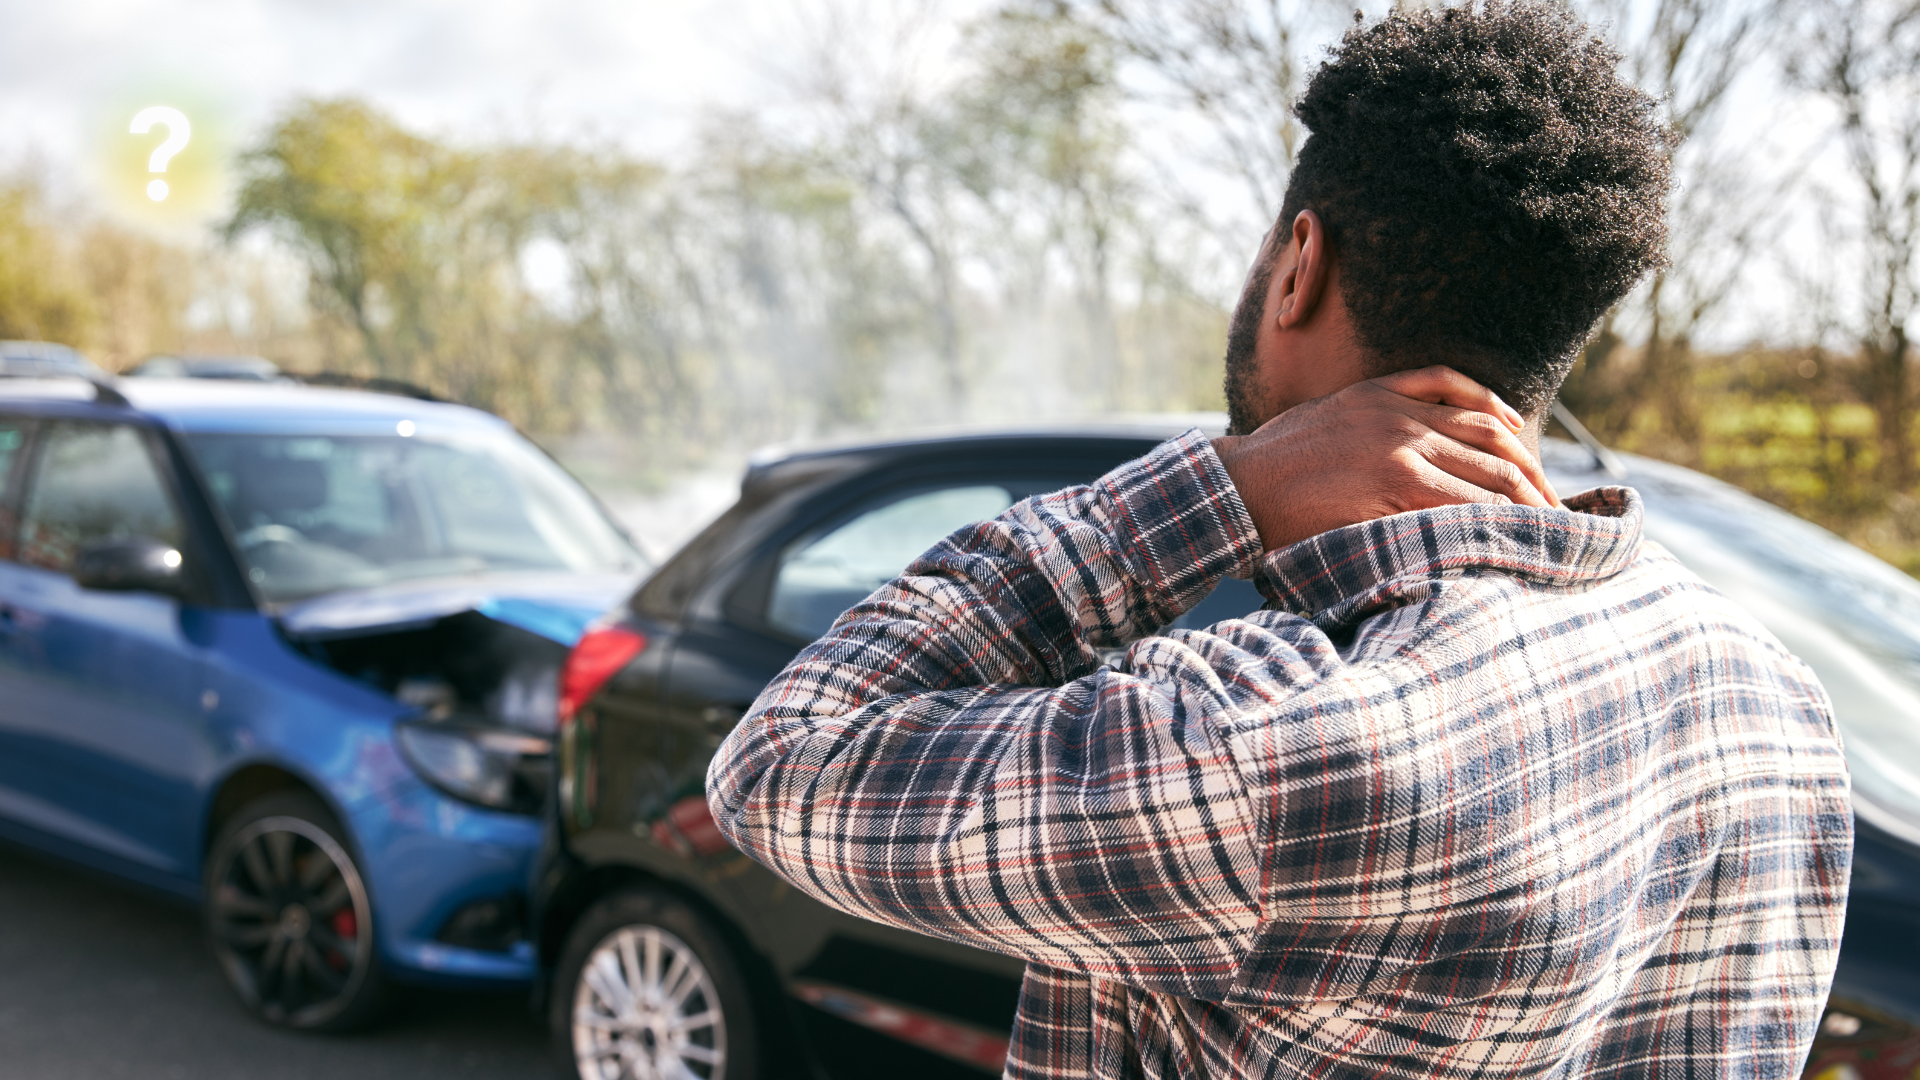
(99, 981)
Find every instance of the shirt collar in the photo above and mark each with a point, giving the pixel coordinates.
(1340, 577)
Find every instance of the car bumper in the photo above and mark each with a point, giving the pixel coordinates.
(428, 859)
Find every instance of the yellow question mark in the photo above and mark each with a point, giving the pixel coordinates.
(178, 132)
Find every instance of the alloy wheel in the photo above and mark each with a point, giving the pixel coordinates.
(290, 921)
(645, 1008)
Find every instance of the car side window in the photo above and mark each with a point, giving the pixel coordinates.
(93, 482)
(819, 577)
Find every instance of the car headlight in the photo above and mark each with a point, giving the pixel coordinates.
(505, 770)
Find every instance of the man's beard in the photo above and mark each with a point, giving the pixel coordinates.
(1243, 337)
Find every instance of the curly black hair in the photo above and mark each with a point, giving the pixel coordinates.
(1489, 185)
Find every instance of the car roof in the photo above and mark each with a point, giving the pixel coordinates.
(196, 365)
(1120, 425)
(204, 405)
(30, 358)
(1095, 435)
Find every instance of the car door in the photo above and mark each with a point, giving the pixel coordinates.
(102, 721)
(19, 641)
(958, 1001)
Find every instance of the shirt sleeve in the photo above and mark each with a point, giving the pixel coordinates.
(952, 757)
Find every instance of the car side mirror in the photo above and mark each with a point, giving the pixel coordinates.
(133, 565)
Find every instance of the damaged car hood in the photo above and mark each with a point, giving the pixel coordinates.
(557, 607)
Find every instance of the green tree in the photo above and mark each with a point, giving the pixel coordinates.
(411, 242)
(42, 297)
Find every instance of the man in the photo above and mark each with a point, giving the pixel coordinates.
(1490, 789)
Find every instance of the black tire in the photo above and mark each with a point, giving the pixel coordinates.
(607, 952)
(288, 918)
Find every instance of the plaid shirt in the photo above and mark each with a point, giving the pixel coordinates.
(1484, 791)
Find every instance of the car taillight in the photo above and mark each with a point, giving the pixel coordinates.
(597, 657)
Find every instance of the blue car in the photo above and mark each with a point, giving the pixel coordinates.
(292, 653)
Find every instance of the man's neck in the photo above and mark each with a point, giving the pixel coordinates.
(1530, 435)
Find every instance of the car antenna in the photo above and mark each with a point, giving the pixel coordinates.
(1603, 459)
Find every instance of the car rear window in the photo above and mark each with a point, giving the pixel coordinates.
(821, 577)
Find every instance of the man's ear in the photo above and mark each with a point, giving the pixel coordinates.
(1303, 284)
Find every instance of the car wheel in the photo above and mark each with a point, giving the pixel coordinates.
(288, 918)
(647, 987)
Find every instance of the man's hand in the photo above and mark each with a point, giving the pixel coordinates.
(1412, 440)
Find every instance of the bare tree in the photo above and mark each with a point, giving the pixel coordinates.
(1035, 141)
(1863, 57)
(1690, 54)
(1236, 65)
(862, 73)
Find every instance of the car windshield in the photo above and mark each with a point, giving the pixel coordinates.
(314, 514)
(1854, 619)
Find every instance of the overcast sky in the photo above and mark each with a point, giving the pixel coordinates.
(632, 72)
(636, 72)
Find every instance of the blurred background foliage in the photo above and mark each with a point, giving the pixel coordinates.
(1008, 241)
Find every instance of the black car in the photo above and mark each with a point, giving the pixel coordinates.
(769, 981)
(670, 953)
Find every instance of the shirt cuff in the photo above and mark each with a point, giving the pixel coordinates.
(1181, 522)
